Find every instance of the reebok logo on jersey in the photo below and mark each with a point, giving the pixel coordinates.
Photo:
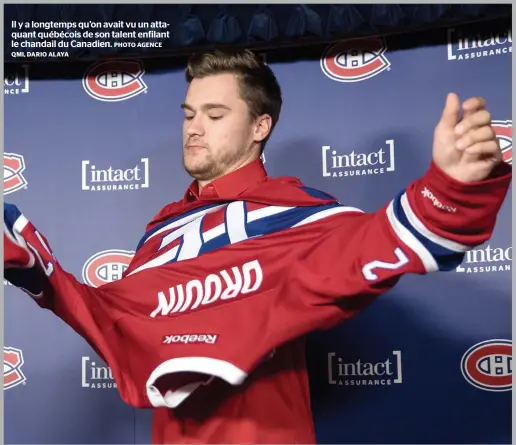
(190, 338)
(429, 195)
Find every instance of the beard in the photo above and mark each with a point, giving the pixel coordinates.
(204, 166)
(202, 169)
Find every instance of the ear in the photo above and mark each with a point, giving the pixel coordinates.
(262, 127)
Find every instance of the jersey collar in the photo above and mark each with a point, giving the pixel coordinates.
(232, 184)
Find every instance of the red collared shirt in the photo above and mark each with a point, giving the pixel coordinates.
(231, 184)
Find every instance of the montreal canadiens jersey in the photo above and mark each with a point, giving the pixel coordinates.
(214, 289)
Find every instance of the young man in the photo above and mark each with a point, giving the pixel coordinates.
(336, 260)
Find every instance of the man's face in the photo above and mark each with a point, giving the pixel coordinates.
(217, 131)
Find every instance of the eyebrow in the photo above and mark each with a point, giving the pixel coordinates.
(205, 106)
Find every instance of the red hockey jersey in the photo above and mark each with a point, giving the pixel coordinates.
(212, 291)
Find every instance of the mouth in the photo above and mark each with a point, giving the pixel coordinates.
(194, 147)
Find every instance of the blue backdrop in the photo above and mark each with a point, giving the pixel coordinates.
(91, 160)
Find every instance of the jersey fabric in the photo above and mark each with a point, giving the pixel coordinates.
(210, 315)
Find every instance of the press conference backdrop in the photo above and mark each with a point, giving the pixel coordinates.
(91, 161)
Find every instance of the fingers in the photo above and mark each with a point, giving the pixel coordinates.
(451, 111)
(476, 136)
(482, 134)
(473, 104)
(478, 119)
(474, 133)
(489, 149)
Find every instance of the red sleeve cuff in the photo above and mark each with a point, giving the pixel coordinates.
(462, 212)
(497, 182)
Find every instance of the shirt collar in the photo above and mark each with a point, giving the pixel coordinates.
(232, 184)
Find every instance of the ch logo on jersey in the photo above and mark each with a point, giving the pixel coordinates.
(14, 166)
(106, 266)
(503, 130)
(114, 80)
(355, 61)
(488, 365)
(13, 362)
(218, 225)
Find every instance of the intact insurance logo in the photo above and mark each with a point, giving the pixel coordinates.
(343, 164)
(487, 259)
(355, 61)
(106, 266)
(467, 46)
(383, 372)
(114, 80)
(96, 376)
(17, 81)
(13, 364)
(488, 365)
(109, 178)
(14, 179)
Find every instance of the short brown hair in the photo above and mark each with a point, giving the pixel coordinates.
(258, 85)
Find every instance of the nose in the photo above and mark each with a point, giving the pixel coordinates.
(194, 127)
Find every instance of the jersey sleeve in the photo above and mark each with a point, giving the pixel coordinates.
(426, 228)
(30, 265)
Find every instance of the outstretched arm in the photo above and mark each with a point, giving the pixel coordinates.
(30, 265)
(428, 227)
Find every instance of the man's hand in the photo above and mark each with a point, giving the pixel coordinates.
(466, 149)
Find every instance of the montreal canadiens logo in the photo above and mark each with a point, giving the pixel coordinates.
(14, 166)
(114, 80)
(13, 362)
(503, 130)
(488, 365)
(106, 266)
(353, 61)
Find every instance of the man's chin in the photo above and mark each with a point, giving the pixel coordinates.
(200, 172)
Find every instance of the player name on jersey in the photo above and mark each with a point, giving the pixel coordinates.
(225, 285)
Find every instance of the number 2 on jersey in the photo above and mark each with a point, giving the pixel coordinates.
(368, 269)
